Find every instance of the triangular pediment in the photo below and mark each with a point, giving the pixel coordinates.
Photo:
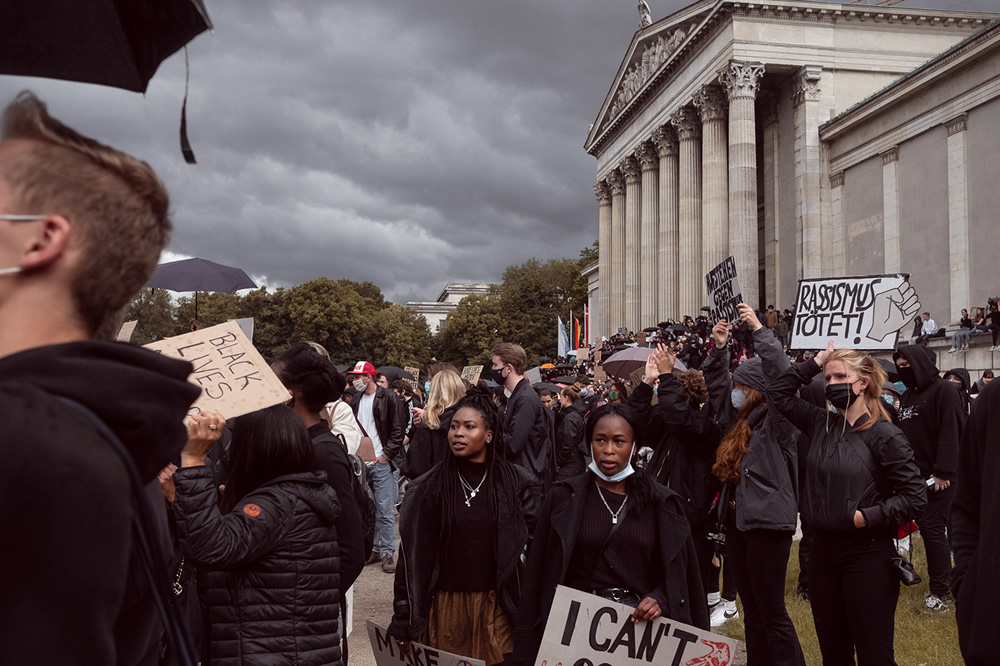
(652, 48)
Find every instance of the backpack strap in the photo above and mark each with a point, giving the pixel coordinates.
(153, 562)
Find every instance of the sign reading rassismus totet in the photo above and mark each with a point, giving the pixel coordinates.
(864, 312)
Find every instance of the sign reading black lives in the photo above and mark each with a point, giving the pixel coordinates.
(863, 312)
(724, 293)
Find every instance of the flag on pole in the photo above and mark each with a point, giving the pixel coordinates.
(586, 325)
(563, 342)
(577, 333)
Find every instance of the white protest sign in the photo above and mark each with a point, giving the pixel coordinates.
(724, 293)
(586, 630)
(126, 331)
(386, 652)
(534, 375)
(246, 325)
(471, 373)
(863, 312)
(233, 376)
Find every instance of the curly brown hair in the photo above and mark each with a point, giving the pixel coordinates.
(694, 384)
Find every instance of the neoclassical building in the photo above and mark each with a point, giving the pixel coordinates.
(770, 132)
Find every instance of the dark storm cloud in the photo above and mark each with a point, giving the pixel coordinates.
(406, 143)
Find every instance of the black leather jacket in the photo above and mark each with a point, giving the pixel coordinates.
(390, 420)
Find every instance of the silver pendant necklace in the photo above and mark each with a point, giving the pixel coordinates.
(467, 488)
(614, 514)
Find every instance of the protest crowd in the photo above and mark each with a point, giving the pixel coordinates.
(142, 531)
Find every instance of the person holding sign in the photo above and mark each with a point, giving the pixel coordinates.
(613, 532)
(860, 483)
(463, 528)
(757, 463)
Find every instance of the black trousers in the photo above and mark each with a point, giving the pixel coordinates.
(933, 524)
(805, 548)
(853, 593)
(759, 559)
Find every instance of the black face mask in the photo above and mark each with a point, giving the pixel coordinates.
(908, 376)
(497, 375)
(841, 395)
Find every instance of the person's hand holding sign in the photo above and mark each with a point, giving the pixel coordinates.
(648, 609)
(893, 309)
(749, 317)
(721, 333)
(204, 430)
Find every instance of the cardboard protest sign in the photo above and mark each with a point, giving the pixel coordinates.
(471, 373)
(233, 376)
(724, 293)
(863, 312)
(246, 325)
(126, 331)
(534, 375)
(416, 375)
(586, 629)
(600, 375)
(386, 652)
(637, 375)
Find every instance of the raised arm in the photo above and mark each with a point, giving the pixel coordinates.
(717, 377)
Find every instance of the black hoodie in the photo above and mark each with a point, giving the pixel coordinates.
(74, 592)
(930, 415)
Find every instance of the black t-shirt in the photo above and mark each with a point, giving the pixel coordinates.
(468, 556)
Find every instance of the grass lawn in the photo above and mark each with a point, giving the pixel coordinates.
(921, 639)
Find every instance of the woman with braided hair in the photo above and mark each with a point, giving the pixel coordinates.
(463, 528)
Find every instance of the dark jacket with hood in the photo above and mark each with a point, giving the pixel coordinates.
(837, 480)
(552, 549)
(975, 532)
(569, 437)
(390, 421)
(75, 592)
(684, 439)
(930, 414)
(269, 568)
(428, 447)
(421, 540)
(767, 492)
(966, 379)
(528, 430)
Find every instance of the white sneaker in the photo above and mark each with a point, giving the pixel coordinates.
(724, 612)
(933, 603)
(993, 348)
(713, 599)
(952, 350)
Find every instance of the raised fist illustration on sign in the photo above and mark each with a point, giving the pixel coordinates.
(893, 309)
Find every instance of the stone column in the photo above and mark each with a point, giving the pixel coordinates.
(807, 169)
(958, 214)
(772, 216)
(649, 257)
(616, 304)
(742, 81)
(633, 241)
(692, 276)
(602, 323)
(890, 209)
(711, 104)
(668, 301)
(839, 261)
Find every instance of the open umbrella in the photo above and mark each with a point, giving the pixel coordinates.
(890, 369)
(555, 388)
(392, 373)
(547, 366)
(199, 275)
(625, 362)
(650, 329)
(566, 379)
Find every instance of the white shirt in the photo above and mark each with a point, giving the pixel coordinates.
(367, 418)
(928, 328)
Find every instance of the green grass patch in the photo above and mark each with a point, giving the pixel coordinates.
(921, 639)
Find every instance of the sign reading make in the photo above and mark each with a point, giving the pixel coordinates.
(585, 630)
(387, 653)
(724, 293)
(863, 312)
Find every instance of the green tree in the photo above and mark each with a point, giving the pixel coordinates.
(154, 311)
(401, 337)
(214, 307)
(470, 331)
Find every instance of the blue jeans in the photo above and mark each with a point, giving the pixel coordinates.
(961, 337)
(384, 486)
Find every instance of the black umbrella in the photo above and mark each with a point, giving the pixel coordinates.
(890, 369)
(565, 379)
(392, 373)
(555, 388)
(199, 275)
(650, 329)
(544, 359)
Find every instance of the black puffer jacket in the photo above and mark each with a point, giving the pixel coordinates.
(838, 481)
(270, 569)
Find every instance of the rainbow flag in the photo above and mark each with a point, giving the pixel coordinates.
(577, 333)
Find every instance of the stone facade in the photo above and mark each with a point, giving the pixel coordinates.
(747, 129)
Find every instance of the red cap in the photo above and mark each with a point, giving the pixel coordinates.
(363, 368)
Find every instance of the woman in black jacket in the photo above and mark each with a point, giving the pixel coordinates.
(613, 532)
(463, 528)
(569, 434)
(860, 483)
(268, 552)
(429, 444)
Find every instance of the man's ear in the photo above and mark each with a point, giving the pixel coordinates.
(48, 244)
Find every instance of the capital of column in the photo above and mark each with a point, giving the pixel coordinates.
(617, 182)
(890, 156)
(603, 193)
(686, 123)
(646, 154)
(807, 85)
(958, 124)
(630, 167)
(711, 102)
(837, 179)
(665, 140)
(741, 79)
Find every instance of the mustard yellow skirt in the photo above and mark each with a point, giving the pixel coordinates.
(470, 624)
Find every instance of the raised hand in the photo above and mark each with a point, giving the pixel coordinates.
(822, 357)
(721, 333)
(651, 368)
(204, 430)
(893, 309)
(665, 360)
(749, 317)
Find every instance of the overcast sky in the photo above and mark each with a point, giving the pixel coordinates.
(409, 143)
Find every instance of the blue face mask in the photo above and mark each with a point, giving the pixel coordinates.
(427, 387)
(739, 398)
(626, 471)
